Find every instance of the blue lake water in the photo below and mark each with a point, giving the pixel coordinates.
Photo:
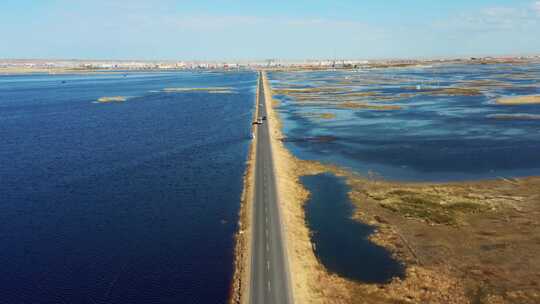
(130, 202)
(434, 137)
(342, 243)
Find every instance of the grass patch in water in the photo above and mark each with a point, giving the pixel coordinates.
(327, 116)
(320, 115)
(112, 99)
(291, 91)
(367, 106)
(450, 91)
(457, 91)
(519, 100)
(361, 94)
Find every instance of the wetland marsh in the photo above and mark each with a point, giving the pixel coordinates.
(440, 123)
(443, 170)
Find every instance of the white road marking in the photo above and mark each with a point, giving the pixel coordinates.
(268, 265)
(267, 247)
(269, 286)
(266, 219)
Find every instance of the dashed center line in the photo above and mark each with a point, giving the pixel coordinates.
(266, 197)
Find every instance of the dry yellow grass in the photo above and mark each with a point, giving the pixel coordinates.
(450, 91)
(320, 115)
(327, 116)
(457, 91)
(302, 91)
(367, 106)
(361, 94)
(519, 100)
(112, 99)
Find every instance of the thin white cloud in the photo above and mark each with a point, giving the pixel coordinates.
(220, 22)
(494, 19)
(500, 12)
(536, 7)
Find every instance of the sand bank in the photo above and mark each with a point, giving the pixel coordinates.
(519, 100)
(32, 70)
(445, 91)
(112, 99)
(368, 106)
(319, 115)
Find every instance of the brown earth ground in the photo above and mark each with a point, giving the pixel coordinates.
(469, 242)
(483, 235)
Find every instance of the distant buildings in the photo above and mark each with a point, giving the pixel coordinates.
(28, 64)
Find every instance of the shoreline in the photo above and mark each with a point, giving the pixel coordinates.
(8, 67)
(425, 281)
(72, 71)
(242, 250)
(309, 281)
(428, 277)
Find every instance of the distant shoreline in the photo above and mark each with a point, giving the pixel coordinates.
(28, 66)
(60, 71)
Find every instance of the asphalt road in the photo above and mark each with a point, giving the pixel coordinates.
(269, 278)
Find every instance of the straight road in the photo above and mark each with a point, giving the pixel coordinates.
(269, 277)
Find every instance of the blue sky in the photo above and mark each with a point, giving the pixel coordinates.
(241, 29)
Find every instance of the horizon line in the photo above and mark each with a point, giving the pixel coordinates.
(275, 59)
